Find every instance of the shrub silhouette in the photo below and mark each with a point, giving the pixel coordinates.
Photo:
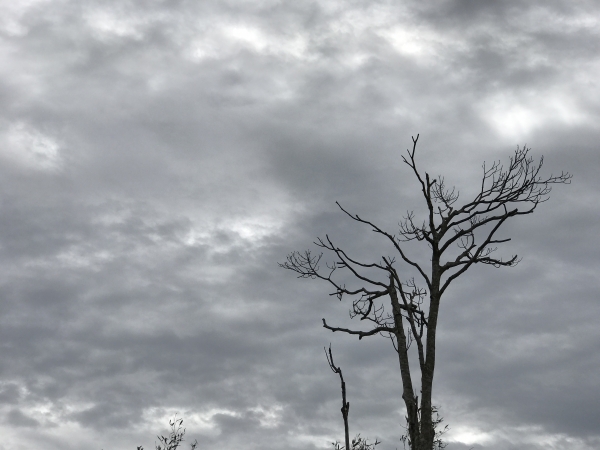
(175, 437)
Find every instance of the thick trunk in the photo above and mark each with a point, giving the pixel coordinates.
(427, 427)
(427, 430)
(420, 420)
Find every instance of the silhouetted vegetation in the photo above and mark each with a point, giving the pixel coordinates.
(175, 437)
(357, 443)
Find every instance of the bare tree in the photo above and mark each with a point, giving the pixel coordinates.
(455, 238)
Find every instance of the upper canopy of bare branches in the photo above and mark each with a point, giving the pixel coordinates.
(505, 192)
(455, 237)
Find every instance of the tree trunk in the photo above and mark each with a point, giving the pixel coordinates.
(427, 427)
(408, 394)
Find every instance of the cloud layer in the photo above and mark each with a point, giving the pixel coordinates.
(158, 158)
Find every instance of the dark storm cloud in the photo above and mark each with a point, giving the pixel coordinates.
(159, 158)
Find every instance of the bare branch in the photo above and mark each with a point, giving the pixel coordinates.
(481, 257)
(392, 239)
(519, 185)
(361, 334)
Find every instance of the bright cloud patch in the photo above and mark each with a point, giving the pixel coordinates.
(268, 417)
(413, 43)
(515, 117)
(28, 146)
(11, 15)
(198, 420)
(225, 41)
(469, 436)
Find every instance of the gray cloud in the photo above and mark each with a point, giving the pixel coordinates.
(18, 419)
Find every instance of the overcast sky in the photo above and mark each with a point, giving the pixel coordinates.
(158, 158)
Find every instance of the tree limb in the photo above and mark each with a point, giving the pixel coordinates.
(361, 334)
